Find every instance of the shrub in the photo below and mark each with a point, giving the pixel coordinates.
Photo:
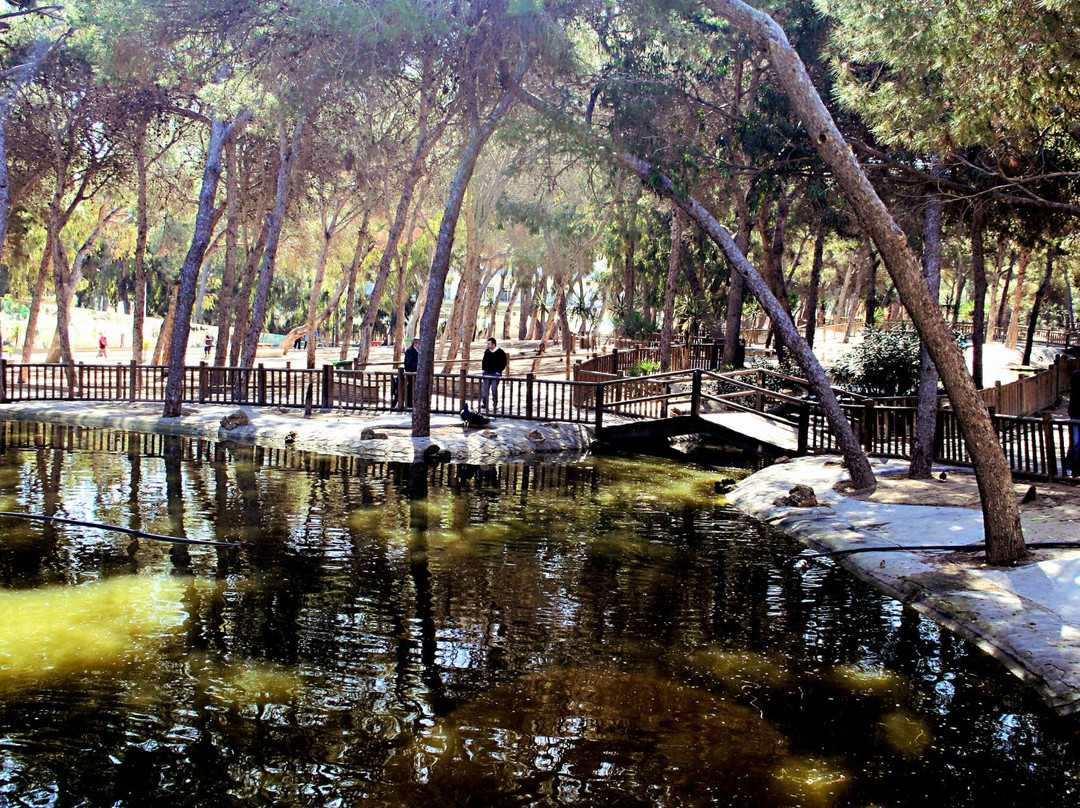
(644, 368)
(885, 363)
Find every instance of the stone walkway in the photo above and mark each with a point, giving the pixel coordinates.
(1026, 616)
(328, 432)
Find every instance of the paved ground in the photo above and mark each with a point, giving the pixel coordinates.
(1027, 616)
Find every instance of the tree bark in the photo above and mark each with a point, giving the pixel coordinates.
(440, 263)
(1040, 293)
(189, 272)
(733, 324)
(1001, 517)
(815, 282)
(1018, 297)
(922, 453)
(289, 148)
(142, 227)
(364, 245)
(227, 295)
(674, 262)
(978, 277)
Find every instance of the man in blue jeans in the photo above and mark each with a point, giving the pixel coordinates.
(492, 367)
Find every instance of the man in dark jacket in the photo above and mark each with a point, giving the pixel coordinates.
(493, 366)
(410, 362)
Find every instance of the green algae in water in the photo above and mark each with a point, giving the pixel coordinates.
(52, 633)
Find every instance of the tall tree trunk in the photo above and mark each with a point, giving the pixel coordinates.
(364, 245)
(1040, 293)
(507, 315)
(1004, 301)
(328, 230)
(922, 453)
(189, 271)
(674, 260)
(35, 299)
(242, 301)
(733, 324)
(978, 276)
(227, 295)
(1001, 517)
(440, 263)
(525, 311)
(871, 290)
(164, 340)
(289, 148)
(815, 282)
(1018, 297)
(142, 227)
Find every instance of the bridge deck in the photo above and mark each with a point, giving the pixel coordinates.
(744, 430)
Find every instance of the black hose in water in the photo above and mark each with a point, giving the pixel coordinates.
(117, 529)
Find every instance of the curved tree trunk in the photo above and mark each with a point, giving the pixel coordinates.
(978, 276)
(815, 282)
(1018, 297)
(1040, 293)
(1001, 517)
(189, 272)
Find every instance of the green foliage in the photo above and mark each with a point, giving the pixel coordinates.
(885, 363)
(634, 325)
(644, 368)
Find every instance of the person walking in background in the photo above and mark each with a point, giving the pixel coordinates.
(208, 345)
(102, 345)
(494, 364)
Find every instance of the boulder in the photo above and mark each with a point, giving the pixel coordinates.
(235, 420)
(367, 433)
(800, 496)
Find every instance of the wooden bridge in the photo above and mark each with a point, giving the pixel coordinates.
(759, 410)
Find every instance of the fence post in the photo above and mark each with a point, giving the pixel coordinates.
(462, 379)
(327, 385)
(717, 354)
(82, 369)
(133, 386)
(866, 425)
(3, 380)
(759, 397)
(1051, 450)
(402, 393)
(939, 435)
(260, 382)
(695, 395)
(615, 360)
(599, 407)
(804, 428)
(529, 378)
(203, 382)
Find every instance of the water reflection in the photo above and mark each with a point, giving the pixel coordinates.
(599, 633)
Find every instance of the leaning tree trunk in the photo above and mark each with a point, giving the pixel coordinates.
(1001, 517)
(674, 260)
(1040, 293)
(189, 272)
(922, 452)
(440, 263)
(859, 467)
(289, 153)
(227, 296)
(364, 245)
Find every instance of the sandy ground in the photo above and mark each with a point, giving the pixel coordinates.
(1053, 514)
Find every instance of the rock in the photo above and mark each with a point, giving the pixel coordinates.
(800, 496)
(367, 433)
(235, 420)
(943, 476)
(1029, 496)
(490, 433)
(290, 439)
(436, 454)
(724, 486)
(782, 459)
(536, 436)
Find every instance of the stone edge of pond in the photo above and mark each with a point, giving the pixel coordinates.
(999, 610)
(325, 432)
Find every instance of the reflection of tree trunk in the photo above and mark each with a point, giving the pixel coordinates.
(174, 494)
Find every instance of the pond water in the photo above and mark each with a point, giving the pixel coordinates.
(600, 633)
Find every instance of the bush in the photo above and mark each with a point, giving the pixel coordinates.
(644, 368)
(885, 363)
